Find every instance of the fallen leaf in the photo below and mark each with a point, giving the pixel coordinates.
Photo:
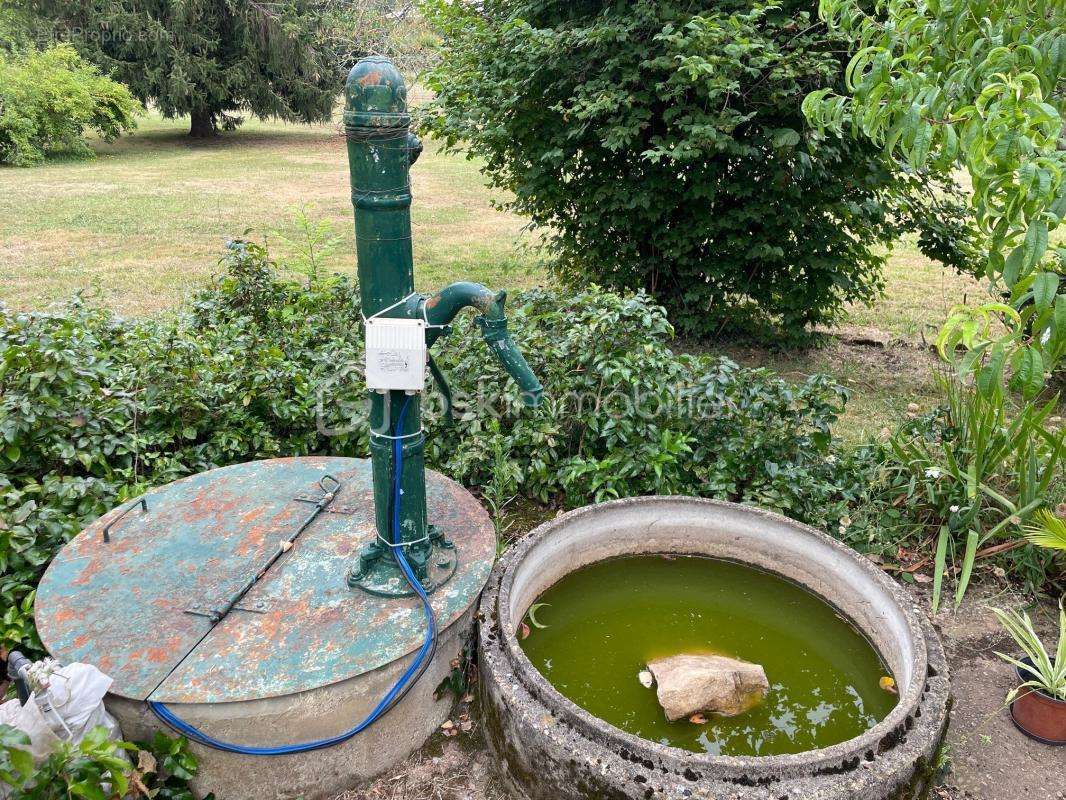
(921, 578)
(467, 698)
(698, 719)
(531, 615)
(466, 726)
(145, 761)
(524, 631)
(447, 725)
(888, 684)
(138, 784)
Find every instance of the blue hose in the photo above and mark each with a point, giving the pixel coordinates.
(398, 689)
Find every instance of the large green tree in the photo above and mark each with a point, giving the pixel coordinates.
(660, 144)
(207, 58)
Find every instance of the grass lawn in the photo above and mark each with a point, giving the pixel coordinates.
(143, 225)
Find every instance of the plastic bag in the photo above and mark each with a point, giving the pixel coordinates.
(67, 704)
(77, 695)
(29, 719)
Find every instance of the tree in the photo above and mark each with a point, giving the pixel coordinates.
(661, 146)
(391, 28)
(207, 58)
(977, 84)
(49, 98)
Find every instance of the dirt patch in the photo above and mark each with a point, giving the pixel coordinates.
(987, 757)
(454, 773)
(844, 352)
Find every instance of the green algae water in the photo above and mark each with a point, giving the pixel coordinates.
(605, 622)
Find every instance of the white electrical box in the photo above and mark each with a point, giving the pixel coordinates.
(396, 354)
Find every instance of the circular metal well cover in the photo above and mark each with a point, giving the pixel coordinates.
(140, 605)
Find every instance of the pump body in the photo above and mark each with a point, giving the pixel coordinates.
(381, 150)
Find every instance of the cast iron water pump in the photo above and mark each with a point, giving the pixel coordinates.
(381, 150)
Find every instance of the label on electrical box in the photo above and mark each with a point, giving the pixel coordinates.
(396, 354)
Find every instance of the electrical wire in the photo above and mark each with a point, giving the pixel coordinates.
(398, 690)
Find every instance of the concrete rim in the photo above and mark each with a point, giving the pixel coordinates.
(497, 606)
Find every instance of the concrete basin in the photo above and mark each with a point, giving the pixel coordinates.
(551, 749)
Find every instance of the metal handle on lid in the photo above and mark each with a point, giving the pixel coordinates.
(107, 528)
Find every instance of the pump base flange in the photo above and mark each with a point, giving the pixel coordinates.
(380, 575)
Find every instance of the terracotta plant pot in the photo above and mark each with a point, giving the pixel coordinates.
(1038, 715)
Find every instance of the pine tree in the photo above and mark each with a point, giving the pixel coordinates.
(208, 58)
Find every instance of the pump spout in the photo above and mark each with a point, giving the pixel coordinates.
(443, 307)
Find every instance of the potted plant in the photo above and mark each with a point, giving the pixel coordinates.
(1038, 703)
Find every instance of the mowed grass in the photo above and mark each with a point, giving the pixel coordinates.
(142, 226)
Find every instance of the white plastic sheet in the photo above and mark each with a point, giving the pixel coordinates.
(72, 705)
(31, 721)
(77, 694)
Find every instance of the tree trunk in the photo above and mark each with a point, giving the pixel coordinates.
(203, 124)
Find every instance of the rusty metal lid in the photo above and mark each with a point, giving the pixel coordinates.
(139, 605)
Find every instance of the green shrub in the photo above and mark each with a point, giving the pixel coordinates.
(973, 472)
(626, 415)
(97, 769)
(95, 409)
(15, 28)
(661, 146)
(49, 98)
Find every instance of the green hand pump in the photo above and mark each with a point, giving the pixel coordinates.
(381, 149)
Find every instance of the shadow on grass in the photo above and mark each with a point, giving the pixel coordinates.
(174, 136)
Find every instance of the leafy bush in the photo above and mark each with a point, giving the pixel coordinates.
(49, 98)
(973, 472)
(15, 28)
(662, 147)
(1002, 120)
(97, 769)
(625, 415)
(95, 409)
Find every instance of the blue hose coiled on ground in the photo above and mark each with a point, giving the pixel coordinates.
(398, 690)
